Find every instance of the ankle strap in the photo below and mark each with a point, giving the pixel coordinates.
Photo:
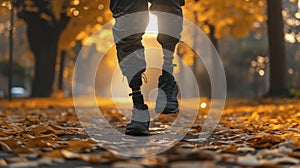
(138, 92)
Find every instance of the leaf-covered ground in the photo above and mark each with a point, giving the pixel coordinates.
(251, 133)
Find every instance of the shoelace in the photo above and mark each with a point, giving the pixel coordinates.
(135, 93)
(144, 77)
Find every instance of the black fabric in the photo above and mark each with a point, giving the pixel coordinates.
(167, 101)
(122, 7)
(136, 81)
(138, 100)
(128, 45)
(131, 47)
(139, 125)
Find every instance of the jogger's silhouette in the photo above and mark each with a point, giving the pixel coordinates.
(130, 52)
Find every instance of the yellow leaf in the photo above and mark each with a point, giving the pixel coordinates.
(254, 117)
(53, 154)
(206, 29)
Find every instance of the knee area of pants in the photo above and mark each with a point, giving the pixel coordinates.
(135, 76)
(130, 41)
(167, 41)
(129, 48)
(135, 82)
(167, 6)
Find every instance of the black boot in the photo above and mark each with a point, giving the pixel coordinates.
(140, 119)
(167, 102)
(139, 125)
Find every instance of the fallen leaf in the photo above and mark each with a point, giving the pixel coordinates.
(11, 143)
(4, 147)
(245, 149)
(41, 129)
(80, 146)
(265, 141)
(192, 164)
(248, 160)
(45, 161)
(3, 162)
(24, 164)
(16, 159)
(294, 154)
(227, 158)
(23, 150)
(53, 154)
(254, 117)
(69, 154)
(126, 165)
(230, 149)
(92, 158)
(40, 142)
(285, 160)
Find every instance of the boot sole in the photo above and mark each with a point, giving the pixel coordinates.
(137, 132)
(168, 111)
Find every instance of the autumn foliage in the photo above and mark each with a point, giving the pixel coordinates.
(251, 133)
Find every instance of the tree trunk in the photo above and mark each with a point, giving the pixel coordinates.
(44, 46)
(43, 37)
(195, 47)
(278, 69)
(61, 70)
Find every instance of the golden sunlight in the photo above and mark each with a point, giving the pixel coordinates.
(152, 27)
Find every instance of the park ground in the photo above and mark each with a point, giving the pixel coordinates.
(251, 133)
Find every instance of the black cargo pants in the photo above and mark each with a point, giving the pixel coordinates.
(130, 50)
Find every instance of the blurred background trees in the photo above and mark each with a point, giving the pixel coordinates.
(56, 30)
(44, 28)
(244, 20)
(53, 27)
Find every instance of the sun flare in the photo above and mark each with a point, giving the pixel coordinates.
(152, 27)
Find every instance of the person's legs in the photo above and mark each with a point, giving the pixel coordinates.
(173, 26)
(128, 31)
